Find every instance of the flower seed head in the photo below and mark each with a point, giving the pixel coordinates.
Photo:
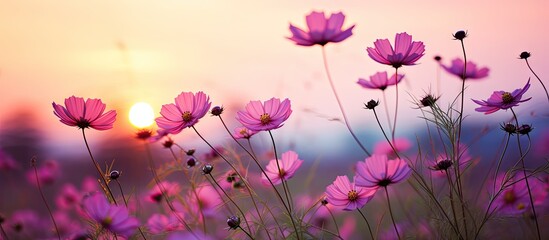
(524, 129)
(190, 152)
(217, 110)
(524, 55)
(233, 222)
(460, 35)
(143, 134)
(438, 58)
(114, 175)
(371, 104)
(207, 169)
(428, 101)
(442, 165)
(191, 162)
(324, 201)
(509, 128)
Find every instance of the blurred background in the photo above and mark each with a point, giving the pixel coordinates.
(125, 52)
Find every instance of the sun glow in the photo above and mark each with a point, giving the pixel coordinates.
(141, 115)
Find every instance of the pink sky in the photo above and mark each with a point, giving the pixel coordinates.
(129, 51)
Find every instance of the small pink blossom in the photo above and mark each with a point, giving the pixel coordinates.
(400, 144)
(380, 81)
(163, 189)
(405, 52)
(243, 132)
(113, 218)
(289, 163)
(48, 173)
(473, 72)
(378, 171)
(186, 112)
(206, 199)
(158, 224)
(322, 30)
(265, 116)
(85, 114)
(342, 193)
(69, 197)
(501, 100)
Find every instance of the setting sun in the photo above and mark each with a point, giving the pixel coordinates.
(141, 115)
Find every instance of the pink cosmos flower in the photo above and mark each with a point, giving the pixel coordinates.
(243, 132)
(289, 163)
(170, 189)
(378, 171)
(208, 200)
(473, 72)
(267, 116)
(47, 173)
(69, 197)
(113, 218)
(400, 144)
(186, 112)
(380, 81)
(322, 30)
(405, 52)
(158, 224)
(513, 199)
(84, 114)
(502, 100)
(343, 193)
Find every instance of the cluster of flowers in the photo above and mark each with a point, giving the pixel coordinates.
(108, 216)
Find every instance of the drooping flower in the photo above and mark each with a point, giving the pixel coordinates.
(243, 132)
(289, 163)
(186, 112)
(380, 81)
(405, 52)
(473, 72)
(113, 218)
(265, 116)
(502, 100)
(378, 171)
(322, 30)
(344, 194)
(84, 114)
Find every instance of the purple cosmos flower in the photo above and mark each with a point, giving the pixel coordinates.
(380, 81)
(473, 72)
(265, 116)
(113, 218)
(513, 199)
(322, 30)
(405, 52)
(378, 171)
(85, 114)
(343, 193)
(186, 112)
(502, 100)
(289, 163)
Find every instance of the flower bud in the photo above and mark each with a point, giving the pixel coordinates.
(524, 129)
(207, 169)
(524, 55)
(460, 35)
(114, 175)
(233, 222)
(190, 152)
(191, 162)
(371, 104)
(509, 128)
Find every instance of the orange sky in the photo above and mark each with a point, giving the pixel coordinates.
(236, 51)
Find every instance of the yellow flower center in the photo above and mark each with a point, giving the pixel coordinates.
(352, 195)
(265, 118)
(106, 222)
(187, 117)
(509, 197)
(520, 206)
(282, 173)
(507, 97)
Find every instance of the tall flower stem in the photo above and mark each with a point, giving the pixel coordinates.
(245, 182)
(126, 204)
(501, 160)
(284, 182)
(386, 106)
(526, 177)
(450, 186)
(391, 212)
(250, 236)
(33, 163)
(396, 107)
(333, 219)
(324, 58)
(235, 204)
(367, 223)
(101, 174)
(384, 134)
(543, 85)
(457, 147)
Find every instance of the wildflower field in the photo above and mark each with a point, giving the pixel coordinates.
(440, 135)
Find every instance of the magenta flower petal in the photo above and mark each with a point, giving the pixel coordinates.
(377, 171)
(84, 114)
(289, 163)
(380, 81)
(113, 218)
(265, 116)
(344, 194)
(321, 30)
(406, 52)
(502, 100)
(473, 72)
(186, 112)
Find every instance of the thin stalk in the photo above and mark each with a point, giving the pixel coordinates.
(324, 58)
(367, 223)
(396, 108)
(230, 199)
(385, 135)
(543, 85)
(333, 219)
(386, 106)
(33, 163)
(286, 190)
(391, 212)
(526, 178)
(458, 172)
(126, 204)
(250, 236)
(501, 160)
(450, 184)
(98, 168)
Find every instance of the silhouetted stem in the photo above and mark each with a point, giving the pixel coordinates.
(386, 106)
(33, 163)
(98, 168)
(543, 85)
(526, 178)
(367, 223)
(391, 212)
(339, 103)
(250, 236)
(385, 135)
(457, 147)
(396, 107)
(126, 204)
(286, 191)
